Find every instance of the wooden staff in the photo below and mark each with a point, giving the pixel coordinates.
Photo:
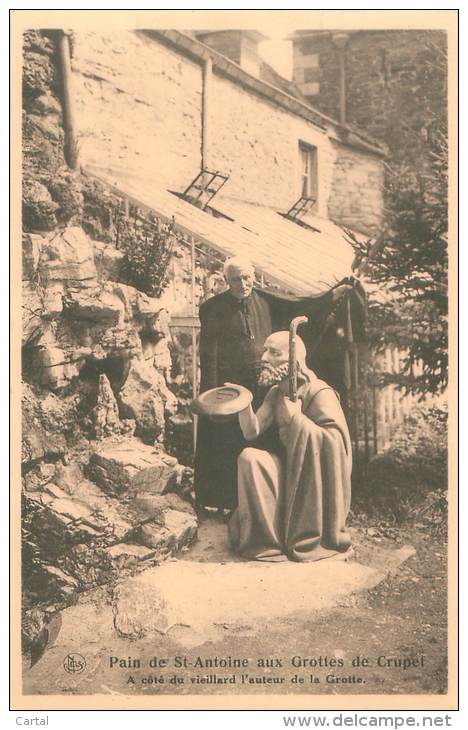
(293, 358)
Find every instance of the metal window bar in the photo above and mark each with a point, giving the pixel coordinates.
(300, 207)
(206, 183)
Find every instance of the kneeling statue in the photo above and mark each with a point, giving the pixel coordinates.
(293, 504)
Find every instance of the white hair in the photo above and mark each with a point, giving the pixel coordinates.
(238, 262)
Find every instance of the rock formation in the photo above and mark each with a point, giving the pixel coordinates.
(98, 494)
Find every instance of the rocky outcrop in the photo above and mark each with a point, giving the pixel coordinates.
(130, 466)
(173, 526)
(48, 426)
(96, 366)
(84, 537)
(68, 256)
(72, 317)
(144, 397)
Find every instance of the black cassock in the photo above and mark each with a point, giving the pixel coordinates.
(232, 336)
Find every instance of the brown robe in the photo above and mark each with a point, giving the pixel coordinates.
(295, 506)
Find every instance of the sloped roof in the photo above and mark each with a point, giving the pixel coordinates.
(299, 260)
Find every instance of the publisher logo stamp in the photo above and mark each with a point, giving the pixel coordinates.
(74, 663)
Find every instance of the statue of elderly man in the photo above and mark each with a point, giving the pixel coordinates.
(234, 326)
(293, 504)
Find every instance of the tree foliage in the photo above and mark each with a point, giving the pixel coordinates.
(407, 271)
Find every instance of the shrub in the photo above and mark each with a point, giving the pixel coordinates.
(409, 479)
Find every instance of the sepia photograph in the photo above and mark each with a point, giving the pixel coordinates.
(234, 390)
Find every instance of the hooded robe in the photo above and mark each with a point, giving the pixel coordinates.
(294, 505)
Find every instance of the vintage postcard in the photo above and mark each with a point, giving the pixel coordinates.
(234, 387)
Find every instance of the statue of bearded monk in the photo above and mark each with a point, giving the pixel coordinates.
(293, 505)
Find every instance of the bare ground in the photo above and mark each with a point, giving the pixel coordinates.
(401, 618)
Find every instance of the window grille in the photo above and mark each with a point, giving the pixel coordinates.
(204, 187)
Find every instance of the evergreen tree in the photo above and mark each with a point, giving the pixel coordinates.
(407, 271)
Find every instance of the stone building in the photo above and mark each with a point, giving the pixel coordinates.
(164, 106)
(391, 82)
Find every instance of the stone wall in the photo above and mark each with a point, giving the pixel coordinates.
(396, 84)
(257, 144)
(357, 191)
(138, 107)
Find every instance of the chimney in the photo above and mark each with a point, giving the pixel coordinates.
(240, 46)
(306, 71)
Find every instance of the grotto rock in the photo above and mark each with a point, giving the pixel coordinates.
(38, 477)
(178, 531)
(108, 515)
(54, 364)
(96, 306)
(32, 246)
(38, 75)
(32, 310)
(47, 420)
(145, 397)
(65, 188)
(38, 42)
(46, 104)
(52, 299)
(125, 555)
(89, 565)
(144, 310)
(69, 255)
(107, 259)
(159, 355)
(173, 525)
(119, 341)
(139, 610)
(128, 465)
(38, 207)
(51, 366)
(49, 126)
(155, 317)
(42, 155)
(57, 585)
(58, 521)
(32, 624)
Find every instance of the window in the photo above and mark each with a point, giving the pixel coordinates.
(308, 182)
(307, 187)
(204, 188)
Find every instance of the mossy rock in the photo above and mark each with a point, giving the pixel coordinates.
(38, 76)
(65, 189)
(38, 207)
